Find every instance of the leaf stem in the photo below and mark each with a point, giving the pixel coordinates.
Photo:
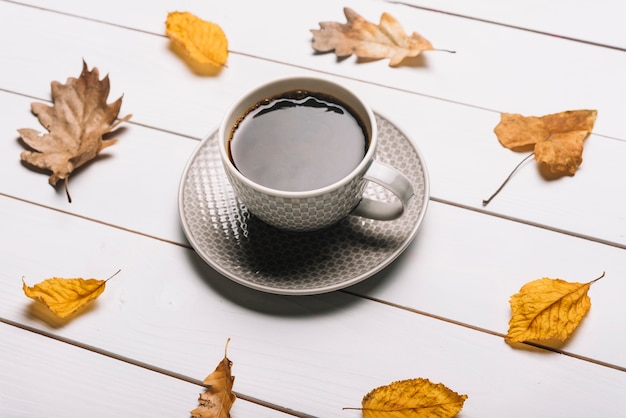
(486, 201)
(113, 275)
(601, 276)
(67, 190)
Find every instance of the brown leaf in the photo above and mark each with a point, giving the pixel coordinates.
(413, 398)
(546, 309)
(557, 138)
(368, 40)
(218, 398)
(76, 123)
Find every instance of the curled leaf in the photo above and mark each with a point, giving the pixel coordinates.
(204, 42)
(65, 296)
(413, 398)
(76, 123)
(218, 398)
(546, 309)
(368, 40)
(557, 138)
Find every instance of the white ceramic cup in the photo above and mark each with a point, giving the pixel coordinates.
(310, 210)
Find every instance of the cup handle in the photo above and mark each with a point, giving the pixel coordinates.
(392, 180)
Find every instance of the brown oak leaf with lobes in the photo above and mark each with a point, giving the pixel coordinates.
(76, 122)
(368, 40)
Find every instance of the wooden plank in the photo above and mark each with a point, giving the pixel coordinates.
(44, 377)
(167, 309)
(596, 22)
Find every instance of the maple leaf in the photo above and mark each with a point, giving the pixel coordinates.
(546, 309)
(204, 42)
(556, 139)
(218, 398)
(76, 123)
(412, 398)
(368, 40)
(65, 296)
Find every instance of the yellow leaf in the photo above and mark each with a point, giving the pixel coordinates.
(218, 398)
(413, 398)
(204, 42)
(65, 296)
(546, 309)
(368, 40)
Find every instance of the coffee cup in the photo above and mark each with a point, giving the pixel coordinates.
(299, 152)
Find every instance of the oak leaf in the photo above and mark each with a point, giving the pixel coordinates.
(204, 42)
(218, 398)
(368, 40)
(557, 138)
(65, 296)
(76, 122)
(412, 398)
(547, 309)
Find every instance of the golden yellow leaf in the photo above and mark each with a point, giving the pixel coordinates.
(218, 398)
(546, 309)
(557, 138)
(204, 42)
(368, 40)
(65, 296)
(413, 398)
(76, 123)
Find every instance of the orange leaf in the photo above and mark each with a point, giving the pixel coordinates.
(413, 398)
(368, 40)
(204, 42)
(557, 138)
(547, 309)
(218, 398)
(65, 296)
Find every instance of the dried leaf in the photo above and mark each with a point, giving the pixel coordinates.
(204, 42)
(65, 296)
(368, 40)
(546, 309)
(218, 398)
(76, 123)
(413, 398)
(557, 138)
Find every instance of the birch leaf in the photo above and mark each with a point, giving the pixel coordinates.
(413, 398)
(546, 309)
(368, 40)
(76, 123)
(218, 398)
(204, 42)
(65, 296)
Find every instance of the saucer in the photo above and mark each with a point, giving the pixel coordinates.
(246, 250)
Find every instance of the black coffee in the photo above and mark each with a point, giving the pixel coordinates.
(298, 141)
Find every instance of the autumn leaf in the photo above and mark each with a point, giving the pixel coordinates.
(65, 296)
(218, 398)
(204, 42)
(412, 398)
(546, 309)
(76, 123)
(556, 139)
(368, 40)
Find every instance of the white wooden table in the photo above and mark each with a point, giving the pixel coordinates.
(440, 311)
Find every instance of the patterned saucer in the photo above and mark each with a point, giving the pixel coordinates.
(249, 252)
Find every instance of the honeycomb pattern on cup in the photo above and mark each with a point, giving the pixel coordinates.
(248, 251)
